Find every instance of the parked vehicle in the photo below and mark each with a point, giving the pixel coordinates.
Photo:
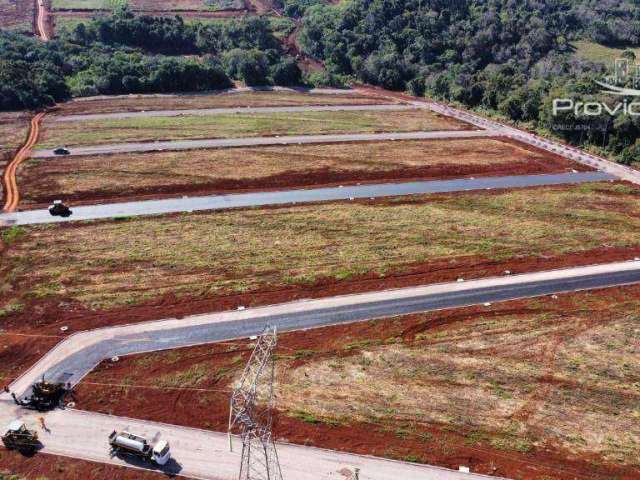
(128, 443)
(61, 151)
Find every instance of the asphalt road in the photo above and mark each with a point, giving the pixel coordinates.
(225, 111)
(72, 359)
(243, 200)
(201, 454)
(175, 145)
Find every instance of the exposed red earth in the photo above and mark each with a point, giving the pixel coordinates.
(130, 387)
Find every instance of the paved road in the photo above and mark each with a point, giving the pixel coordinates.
(260, 141)
(203, 454)
(621, 171)
(240, 200)
(226, 111)
(80, 353)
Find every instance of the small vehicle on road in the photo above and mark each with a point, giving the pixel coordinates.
(129, 444)
(18, 437)
(58, 208)
(61, 151)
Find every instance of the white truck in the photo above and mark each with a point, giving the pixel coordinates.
(128, 443)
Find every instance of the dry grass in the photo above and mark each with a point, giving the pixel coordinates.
(137, 103)
(14, 127)
(239, 125)
(519, 380)
(120, 174)
(110, 263)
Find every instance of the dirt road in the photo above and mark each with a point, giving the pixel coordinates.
(12, 195)
(41, 21)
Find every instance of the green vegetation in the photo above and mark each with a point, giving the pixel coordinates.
(240, 125)
(124, 53)
(595, 52)
(503, 57)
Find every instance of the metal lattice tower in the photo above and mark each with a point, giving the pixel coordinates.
(251, 412)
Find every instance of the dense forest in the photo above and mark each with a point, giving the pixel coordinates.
(123, 53)
(511, 57)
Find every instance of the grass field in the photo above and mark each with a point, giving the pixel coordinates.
(552, 382)
(125, 262)
(600, 53)
(99, 177)
(239, 125)
(137, 103)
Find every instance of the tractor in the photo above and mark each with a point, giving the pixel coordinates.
(19, 437)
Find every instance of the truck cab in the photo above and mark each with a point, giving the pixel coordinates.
(161, 453)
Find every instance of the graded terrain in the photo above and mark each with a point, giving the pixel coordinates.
(213, 260)
(528, 389)
(239, 125)
(121, 177)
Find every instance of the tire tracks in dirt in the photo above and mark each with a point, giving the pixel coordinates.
(11, 192)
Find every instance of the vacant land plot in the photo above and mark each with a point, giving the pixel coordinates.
(17, 15)
(15, 466)
(241, 125)
(140, 103)
(14, 127)
(595, 52)
(350, 245)
(150, 5)
(532, 389)
(114, 177)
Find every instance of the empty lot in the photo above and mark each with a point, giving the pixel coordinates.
(528, 389)
(240, 125)
(118, 177)
(274, 98)
(366, 245)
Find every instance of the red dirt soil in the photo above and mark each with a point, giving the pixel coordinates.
(52, 467)
(46, 316)
(39, 181)
(427, 443)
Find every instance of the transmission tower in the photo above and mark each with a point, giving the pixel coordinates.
(251, 412)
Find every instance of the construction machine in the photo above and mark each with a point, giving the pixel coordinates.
(44, 396)
(18, 437)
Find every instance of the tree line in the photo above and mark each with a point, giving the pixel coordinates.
(511, 57)
(125, 53)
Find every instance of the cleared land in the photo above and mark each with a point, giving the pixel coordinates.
(240, 125)
(14, 127)
(90, 274)
(140, 103)
(17, 15)
(600, 53)
(532, 389)
(150, 5)
(51, 467)
(118, 177)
